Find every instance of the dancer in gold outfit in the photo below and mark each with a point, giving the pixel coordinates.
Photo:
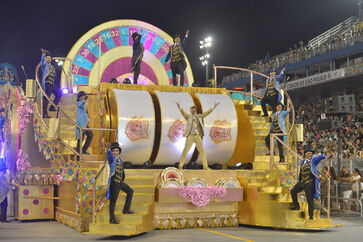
(194, 133)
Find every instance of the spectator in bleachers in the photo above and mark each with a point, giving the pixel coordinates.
(303, 52)
(344, 175)
(356, 179)
(351, 135)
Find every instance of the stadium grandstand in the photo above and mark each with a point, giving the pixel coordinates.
(324, 78)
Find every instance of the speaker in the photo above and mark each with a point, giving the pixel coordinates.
(329, 124)
(323, 125)
(339, 104)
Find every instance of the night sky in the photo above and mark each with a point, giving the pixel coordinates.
(243, 31)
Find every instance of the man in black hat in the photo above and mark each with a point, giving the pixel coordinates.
(177, 62)
(308, 181)
(137, 54)
(83, 120)
(278, 128)
(273, 92)
(48, 82)
(116, 182)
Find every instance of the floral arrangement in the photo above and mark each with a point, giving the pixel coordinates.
(25, 111)
(201, 196)
(22, 162)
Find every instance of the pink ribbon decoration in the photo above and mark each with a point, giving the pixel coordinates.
(201, 196)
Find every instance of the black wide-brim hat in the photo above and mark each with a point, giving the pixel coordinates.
(135, 34)
(80, 94)
(115, 145)
(48, 53)
(272, 70)
(308, 150)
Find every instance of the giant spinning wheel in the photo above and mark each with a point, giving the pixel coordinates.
(105, 52)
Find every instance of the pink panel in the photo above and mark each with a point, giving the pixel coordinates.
(88, 55)
(96, 39)
(77, 70)
(163, 50)
(115, 33)
(123, 66)
(149, 40)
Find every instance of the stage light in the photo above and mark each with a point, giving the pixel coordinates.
(56, 60)
(239, 164)
(65, 91)
(75, 89)
(205, 44)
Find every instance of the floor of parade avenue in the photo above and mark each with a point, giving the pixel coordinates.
(350, 230)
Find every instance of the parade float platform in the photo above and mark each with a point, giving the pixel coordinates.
(146, 122)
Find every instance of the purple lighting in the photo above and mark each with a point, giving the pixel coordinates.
(65, 91)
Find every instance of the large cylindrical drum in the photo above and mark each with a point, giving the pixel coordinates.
(220, 128)
(173, 124)
(135, 123)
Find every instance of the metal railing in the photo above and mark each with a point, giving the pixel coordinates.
(290, 107)
(94, 210)
(251, 93)
(338, 187)
(39, 97)
(273, 165)
(251, 72)
(64, 72)
(60, 112)
(340, 28)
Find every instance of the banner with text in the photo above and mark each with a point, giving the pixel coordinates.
(315, 79)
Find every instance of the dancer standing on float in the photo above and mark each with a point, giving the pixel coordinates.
(194, 133)
(273, 92)
(177, 58)
(48, 82)
(278, 127)
(308, 181)
(137, 54)
(83, 120)
(116, 182)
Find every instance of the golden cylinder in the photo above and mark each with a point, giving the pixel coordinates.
(299, 132)
(53, 131)
(30, 88)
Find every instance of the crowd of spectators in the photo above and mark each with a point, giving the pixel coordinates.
(344, 185)
(327, 140)
(303, 51)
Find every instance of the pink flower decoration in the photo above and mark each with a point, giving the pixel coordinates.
(201, 196)
(25, 111)
(22, 163)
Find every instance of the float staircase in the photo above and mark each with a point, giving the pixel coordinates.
(272, 203)
(142, 204)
